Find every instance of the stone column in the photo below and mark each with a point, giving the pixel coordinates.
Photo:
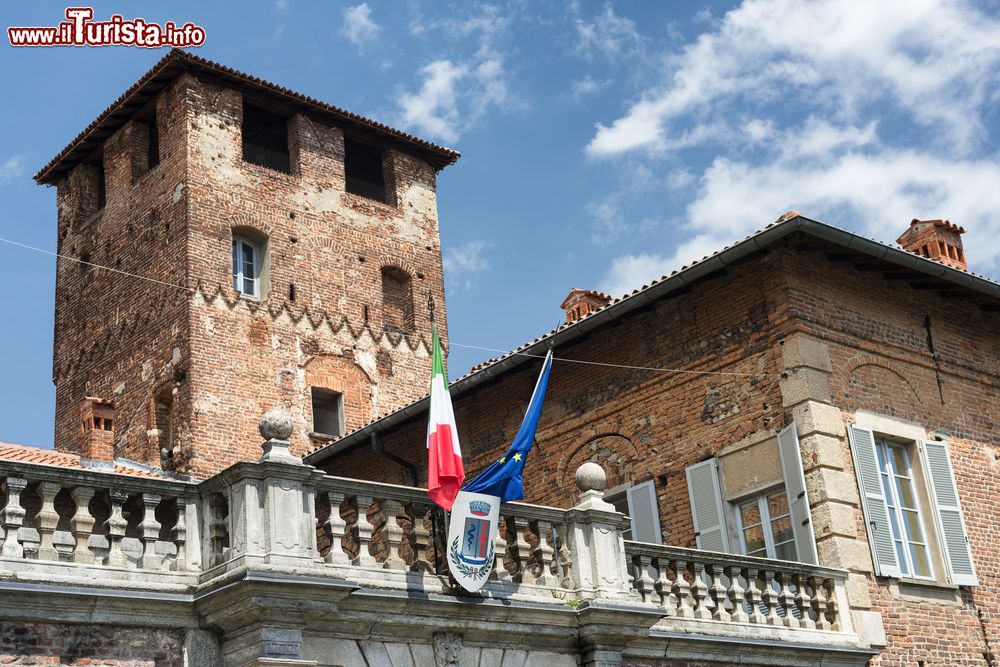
(832, 487)
(594, 537)
(13, 517)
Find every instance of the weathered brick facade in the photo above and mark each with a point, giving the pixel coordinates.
(188, 366)
(51, 644)
(815, 337)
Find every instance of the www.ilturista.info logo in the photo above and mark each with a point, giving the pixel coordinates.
(81, 30)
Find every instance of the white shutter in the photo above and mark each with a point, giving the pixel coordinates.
(798, 500)
(706, 506)
(644, 513)
(873, 501)
(948, 512)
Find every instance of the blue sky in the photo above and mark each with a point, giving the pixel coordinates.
(604, 143)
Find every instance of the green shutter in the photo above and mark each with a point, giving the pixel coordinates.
(948, 512)
(873, 501)
(706, 506)
(798, 500)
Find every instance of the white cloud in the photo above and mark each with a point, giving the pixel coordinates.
(359, 27)
(280, 5)
(630, 272)
(461, 261)
(433, 110)
(12, 168)
(937, 60)
(585, 87)
(457, 93)
(608, 34)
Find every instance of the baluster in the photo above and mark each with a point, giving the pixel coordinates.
(641, 581)
(736, 594)
(82, 524)
(819, 603)
(717, 593)
(520, 551)
(663, 587)
(753, 595)
(419, 538)
(500, 572)
(541, 555)
(391, 534)
(116, 525)
(218, 530)
(336, 527)
(682, 590)
(180, 537)
(770, 598)
(13, 517)
(565, 561)
(150, 528)
(699, 591)
(363, 530)
(787, 600)
(832, 610)
(803, 602)
(48, 520)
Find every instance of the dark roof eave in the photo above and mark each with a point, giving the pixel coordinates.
(175, 63)
(663, 287)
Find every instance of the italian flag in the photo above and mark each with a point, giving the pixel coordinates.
(445, 471)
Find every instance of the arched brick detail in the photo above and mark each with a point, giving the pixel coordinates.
(612, 451)
(894, 378)
(248, 221)
(348, 378)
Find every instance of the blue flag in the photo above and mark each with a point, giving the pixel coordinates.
(505, 478)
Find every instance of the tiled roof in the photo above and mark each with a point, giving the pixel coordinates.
(50, 457)
(177, 62)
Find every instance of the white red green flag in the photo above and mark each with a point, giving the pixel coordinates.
(445, 471)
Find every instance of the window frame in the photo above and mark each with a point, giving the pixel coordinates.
(899, 527)
(327, 394)
(239, 265)
(761, 499)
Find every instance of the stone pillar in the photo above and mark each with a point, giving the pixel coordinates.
(13, 517)
(832, 487)
(272, 514)
(594, 535)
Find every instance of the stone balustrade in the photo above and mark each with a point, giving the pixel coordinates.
(348, 544)
(727, 588)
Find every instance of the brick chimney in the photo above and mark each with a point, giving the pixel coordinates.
(939, 240)
(582, 302)
(98, 417)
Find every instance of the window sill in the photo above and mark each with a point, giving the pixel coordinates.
(268, 171)
(925, 591)
(144, 176)
(360, 202)
(324, 437)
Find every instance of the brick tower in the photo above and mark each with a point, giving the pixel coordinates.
(287, 250)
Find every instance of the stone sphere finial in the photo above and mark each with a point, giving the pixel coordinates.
(275, 425)
(591, 477)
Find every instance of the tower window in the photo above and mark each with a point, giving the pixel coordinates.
(328, 412)
(397, 300)
(363, 171)
(246, 266)
(153, 148)
(265, 139)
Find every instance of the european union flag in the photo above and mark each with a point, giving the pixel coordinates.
(505, 478)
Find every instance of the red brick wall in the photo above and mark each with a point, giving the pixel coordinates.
(882, 363)
(224, 359)
(637, 424)
(49, 644)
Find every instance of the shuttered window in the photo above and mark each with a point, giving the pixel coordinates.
(873, 501)
(706, 506)
(948, 511)
(246, 267)
(644, 513)
(906, 519)
(798, 499)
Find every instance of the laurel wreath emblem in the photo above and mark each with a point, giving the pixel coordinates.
(472, 571)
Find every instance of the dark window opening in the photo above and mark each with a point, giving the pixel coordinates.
(153, 148)
(328, 412)
(397, 300)
(101, 192)
(265, 139)
(363, 171)
(291, 292)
